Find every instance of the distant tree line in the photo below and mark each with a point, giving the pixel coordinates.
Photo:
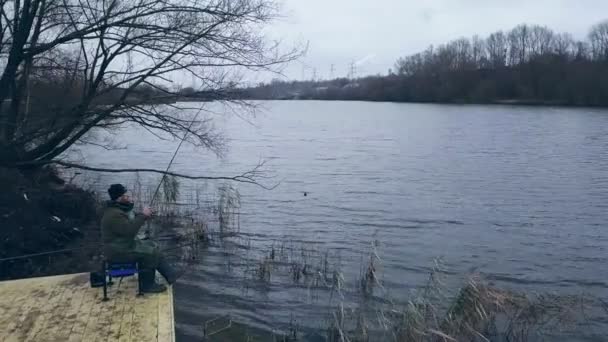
(529, 64)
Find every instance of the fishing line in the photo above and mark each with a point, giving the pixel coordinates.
(147, 232)
(174, 155)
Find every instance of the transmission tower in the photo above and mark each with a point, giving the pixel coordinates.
(352, 70)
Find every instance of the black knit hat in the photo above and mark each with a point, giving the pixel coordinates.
(116, 190)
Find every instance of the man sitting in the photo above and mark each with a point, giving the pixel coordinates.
(119, 226)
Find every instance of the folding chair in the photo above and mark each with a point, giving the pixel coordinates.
(119, 270)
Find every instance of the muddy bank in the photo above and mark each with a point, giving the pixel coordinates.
(40, 212)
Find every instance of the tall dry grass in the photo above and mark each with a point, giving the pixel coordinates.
(476, 312)
(228, 208)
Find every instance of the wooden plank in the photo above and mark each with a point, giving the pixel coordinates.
(54, 315)
(10, 303)
(128, 314)
(11, 292)
(166, 329)
(23, 311)
(105, 317)
(88, 307)
(94, 330)
(46, 309)
(120, 295)
(145, 318)
(124, 296)
(63, 322)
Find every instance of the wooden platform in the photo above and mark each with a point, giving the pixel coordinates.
(66, 308)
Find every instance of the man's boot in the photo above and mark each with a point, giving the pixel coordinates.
(167, 271)
(148, 282)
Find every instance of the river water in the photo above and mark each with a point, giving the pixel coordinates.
(516, 194)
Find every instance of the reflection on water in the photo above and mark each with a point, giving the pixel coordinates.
(517, 194)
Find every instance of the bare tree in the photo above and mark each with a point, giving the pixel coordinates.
(464, 53)
(564, 45)
(445, 58)
(541, 40)
(519, 45)
(70, 67)
(478, 52)
(582, 51)
(497, 47)
(598, 37)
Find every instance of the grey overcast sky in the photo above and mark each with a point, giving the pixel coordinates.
(373, 34)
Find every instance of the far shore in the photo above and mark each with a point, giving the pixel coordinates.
(505, 102)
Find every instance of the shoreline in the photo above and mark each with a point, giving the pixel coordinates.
(509, 103)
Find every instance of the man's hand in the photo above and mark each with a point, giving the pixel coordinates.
(147, 212)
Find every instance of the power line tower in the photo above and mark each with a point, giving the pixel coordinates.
(352, 70)
(314, 74)
(331, 72)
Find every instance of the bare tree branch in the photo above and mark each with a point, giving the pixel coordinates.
(249, 177)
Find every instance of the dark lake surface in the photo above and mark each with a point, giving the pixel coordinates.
(516, 194)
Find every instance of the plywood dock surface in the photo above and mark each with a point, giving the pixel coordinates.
(66, 308)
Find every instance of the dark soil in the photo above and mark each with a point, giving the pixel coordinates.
(40, 213)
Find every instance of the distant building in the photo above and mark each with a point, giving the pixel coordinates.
(352, 85)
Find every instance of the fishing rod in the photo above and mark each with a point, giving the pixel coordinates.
(173, 157)
(147, 232)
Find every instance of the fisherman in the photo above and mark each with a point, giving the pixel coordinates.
(119, 227)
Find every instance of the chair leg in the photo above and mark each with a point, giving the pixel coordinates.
(105, 282)
(105, 288)
(139, 285)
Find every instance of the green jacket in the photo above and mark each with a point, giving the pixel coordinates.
(118, 230)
